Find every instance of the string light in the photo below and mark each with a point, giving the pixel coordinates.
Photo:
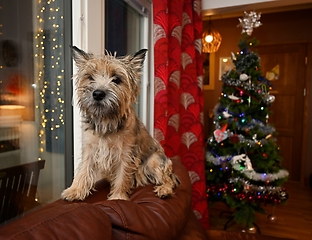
(50, 72)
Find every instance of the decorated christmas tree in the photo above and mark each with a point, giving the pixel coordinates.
(243, 163)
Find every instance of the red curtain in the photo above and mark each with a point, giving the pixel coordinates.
(179, 91)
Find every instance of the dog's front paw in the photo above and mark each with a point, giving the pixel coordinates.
(71, 194)
(163, 191)
(118, 197)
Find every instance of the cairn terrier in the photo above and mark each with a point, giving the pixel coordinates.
(116, 144)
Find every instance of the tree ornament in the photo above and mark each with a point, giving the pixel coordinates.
(272, 218)
(234, 139)
(269, 98)
(254, 137)
(249, 22)
(283, 194)
(243, 121)
(221, 134)
(243, 77)
(226, 114)
(252, 230)
(242, 158)
(234, 98)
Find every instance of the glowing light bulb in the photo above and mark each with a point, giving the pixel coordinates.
(209, 38)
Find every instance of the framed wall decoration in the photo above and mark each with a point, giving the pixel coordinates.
(225, 64)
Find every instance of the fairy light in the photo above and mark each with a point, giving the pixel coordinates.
(50, 72)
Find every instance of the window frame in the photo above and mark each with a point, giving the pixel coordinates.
(68, 113)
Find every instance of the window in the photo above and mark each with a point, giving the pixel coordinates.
(127, 30)
(35, 90)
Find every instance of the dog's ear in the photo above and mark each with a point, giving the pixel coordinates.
(137, 59)
(80, 56)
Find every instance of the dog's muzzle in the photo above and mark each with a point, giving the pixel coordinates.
(98, 95)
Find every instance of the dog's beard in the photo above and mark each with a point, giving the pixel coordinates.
(105, 116)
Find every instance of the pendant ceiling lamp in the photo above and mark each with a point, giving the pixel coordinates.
(211, 39)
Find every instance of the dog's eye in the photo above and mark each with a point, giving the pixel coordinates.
(116, 80)
(90, 77)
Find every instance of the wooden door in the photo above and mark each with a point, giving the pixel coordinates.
(287, 109)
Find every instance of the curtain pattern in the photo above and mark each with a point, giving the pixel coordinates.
(179, 91)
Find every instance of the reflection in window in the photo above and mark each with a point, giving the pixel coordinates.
(32, 77)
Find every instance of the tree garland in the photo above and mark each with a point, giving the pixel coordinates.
(236, 163)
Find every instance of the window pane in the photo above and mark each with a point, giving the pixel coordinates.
(122, 27)
(124, 30)
(32, 80)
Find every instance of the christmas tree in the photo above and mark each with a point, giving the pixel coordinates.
(243, 163)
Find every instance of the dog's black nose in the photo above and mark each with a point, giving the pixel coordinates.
(98, 95)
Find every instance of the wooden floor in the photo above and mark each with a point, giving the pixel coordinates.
(293, 219)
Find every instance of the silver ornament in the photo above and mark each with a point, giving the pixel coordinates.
(254, 137)
(269, 98)
(243, 77)
(272, 218)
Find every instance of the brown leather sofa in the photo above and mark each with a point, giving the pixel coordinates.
(145, 216)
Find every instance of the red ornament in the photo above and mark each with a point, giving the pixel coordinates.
(234, 139)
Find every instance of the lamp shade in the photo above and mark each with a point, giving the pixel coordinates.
(9, 101)
(211, 41)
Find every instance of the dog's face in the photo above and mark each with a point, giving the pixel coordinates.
(107, 85)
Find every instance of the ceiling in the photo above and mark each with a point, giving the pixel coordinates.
(227, 9)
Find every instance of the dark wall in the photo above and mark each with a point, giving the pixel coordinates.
(281, 27)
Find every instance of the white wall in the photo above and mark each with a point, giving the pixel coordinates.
(226, 7)
(213, 4)
(88, 34)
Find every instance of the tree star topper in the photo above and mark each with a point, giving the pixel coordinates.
(249, 21)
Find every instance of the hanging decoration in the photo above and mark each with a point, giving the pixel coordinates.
(211, 40)
(49, 69)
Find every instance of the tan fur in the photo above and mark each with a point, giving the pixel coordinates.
(116, 145)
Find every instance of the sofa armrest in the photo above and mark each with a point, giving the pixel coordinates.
(74, 221)
(146, 216)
